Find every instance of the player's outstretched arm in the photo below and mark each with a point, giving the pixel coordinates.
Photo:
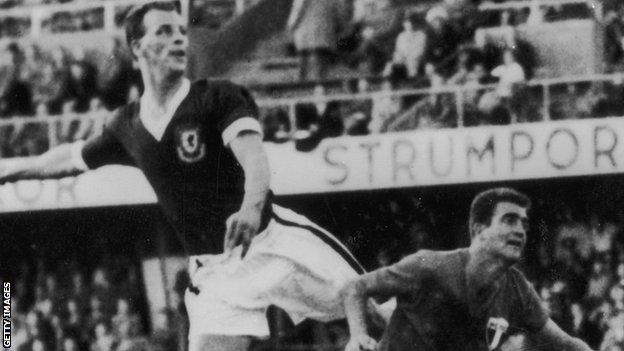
(355, 296)
(55, 163)
(551, 337)
(399, 278)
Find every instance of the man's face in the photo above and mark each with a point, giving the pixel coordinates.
(506, 235)
(164, 45)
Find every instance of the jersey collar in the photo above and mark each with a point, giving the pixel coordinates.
(156, 120)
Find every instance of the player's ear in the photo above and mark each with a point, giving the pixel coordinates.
(135, 47)
(476, 229)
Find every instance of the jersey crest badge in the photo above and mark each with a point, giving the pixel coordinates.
(495, 329)
(190, 147)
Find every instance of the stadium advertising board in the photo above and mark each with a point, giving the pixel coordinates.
(454, 156)
(406, 159)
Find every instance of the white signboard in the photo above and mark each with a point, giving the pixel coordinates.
(407, 159)
(453, 156)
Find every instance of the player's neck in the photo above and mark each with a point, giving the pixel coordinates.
(484, 268)
(161, 87)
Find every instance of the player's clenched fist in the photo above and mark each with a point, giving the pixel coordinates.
(241, 227)
(361, 343)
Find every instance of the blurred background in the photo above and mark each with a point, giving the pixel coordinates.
(382, 119)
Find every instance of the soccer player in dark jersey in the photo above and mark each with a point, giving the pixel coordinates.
(469, 299)
(200, 147)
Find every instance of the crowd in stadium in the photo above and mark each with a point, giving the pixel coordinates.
(63, 309)
(434, 49)
(583, 284)
(58, 81)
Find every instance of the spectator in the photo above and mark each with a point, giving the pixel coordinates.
(462, 70)
(83, 79)
(52, 290)
(15, 94)
(581, 325)
(475, 113)
(599, 281)
(508, 74)
(315, 26)
(463, 15)
(79, 291)
(70, 344)
(502, 36)
(40, 345)
(558, 301)
(276, 125)
(96, 315)
(614, 338)
(164, 337)
(385, 107)
(59, 331)
(433, 111)
(603, 234)
(356, 123)
(128, 340)
(126, 315)
(59, 76)
(43, 303)
(332, 122)
(20, 338)
(442, 41)
(102, 288)
(616, 294)
(432, 77)
(104, 340)
(75, 319)
(568, 268)
(350, 117)
(40, 329)
(376, 24)
(409, 49)
(479, 75)
(573, 236)
(620, 273)
(614, 37)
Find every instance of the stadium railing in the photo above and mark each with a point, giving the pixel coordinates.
(64, 128)
(110, 10)
(533, 5)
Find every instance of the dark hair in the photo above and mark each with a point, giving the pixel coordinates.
(134, 19)
(484, 204)
(414, 18)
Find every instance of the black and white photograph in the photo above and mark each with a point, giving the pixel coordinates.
(312, 175)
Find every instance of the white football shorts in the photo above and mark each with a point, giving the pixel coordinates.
(293, 264)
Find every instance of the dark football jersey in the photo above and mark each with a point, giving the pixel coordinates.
(197, 179)
(437, 311)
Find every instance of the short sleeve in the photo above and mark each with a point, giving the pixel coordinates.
(105, 149)
(402, 277)
(238, 112)
(531, 312)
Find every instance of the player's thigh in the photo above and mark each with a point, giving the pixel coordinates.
(219, 343)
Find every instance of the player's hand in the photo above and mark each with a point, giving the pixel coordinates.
(241, 228)
(361, 342)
